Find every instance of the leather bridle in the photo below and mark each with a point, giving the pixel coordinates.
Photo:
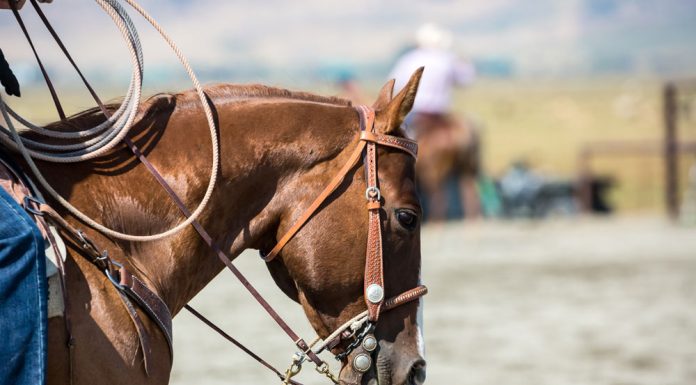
(362, 326)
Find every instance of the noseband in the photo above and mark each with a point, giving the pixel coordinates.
(358, 332)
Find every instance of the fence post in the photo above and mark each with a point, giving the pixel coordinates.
(670, 151)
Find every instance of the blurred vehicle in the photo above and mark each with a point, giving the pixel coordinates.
(525, 193)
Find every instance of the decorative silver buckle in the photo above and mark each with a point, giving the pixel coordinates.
(373, 193)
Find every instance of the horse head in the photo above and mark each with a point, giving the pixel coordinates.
(322, 265)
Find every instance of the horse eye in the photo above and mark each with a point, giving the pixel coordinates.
(407, 218)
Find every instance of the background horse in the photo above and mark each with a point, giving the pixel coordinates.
(449, 147)
(278, 150)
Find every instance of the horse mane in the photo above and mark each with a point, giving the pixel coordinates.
(237, 91)
(166, 100)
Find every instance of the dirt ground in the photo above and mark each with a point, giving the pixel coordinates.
(590, 301)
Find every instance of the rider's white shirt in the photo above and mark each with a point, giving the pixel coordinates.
(443, 71)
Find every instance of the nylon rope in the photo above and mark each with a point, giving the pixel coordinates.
(104, 137)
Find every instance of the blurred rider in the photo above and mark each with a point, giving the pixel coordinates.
(23, 286)
(443, 71)
(449, 146)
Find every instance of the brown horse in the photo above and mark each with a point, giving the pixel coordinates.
(278, 149)
(448, 147)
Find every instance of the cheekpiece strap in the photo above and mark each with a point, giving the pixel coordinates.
(374, 274)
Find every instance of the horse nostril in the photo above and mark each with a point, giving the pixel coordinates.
(417, 374)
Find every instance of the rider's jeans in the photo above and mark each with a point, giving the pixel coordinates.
(23, 292)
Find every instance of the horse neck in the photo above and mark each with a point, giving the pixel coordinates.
(265, 149)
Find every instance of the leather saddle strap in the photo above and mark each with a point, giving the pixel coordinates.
(66, 302)
(143, 335)
(299, 342)
(151, 303)
(374, 276)
(63, 279)
(88, 248)
(130, 285)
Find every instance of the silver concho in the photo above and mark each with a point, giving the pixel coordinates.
(369, 343)
(362, 362)
(375, 293)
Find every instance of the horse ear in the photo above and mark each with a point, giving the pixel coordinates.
(385, 95)
(401, 105)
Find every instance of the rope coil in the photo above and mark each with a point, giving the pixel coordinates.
(96, 141)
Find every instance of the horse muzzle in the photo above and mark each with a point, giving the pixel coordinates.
(385, 365)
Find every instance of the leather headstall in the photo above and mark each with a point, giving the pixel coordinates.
(374, 276)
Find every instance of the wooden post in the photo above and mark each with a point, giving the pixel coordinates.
(670, 151)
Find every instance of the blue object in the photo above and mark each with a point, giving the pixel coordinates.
(23, 295)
